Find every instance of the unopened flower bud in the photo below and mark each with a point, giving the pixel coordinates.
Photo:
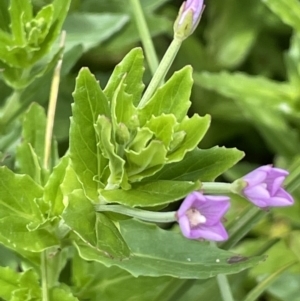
(123, 134)
(188, 18)
(264, 187)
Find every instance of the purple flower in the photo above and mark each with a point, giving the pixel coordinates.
(188, 18)
(196, 7)
(199, 216)
(264, 187)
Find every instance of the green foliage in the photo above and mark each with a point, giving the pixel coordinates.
(254, 94)
(22, 212)
(95, 230)
(246, 58)
(90, 29)
(30, 39)
(126, 144)
(164, 253)
(19, 286)
(288, 11)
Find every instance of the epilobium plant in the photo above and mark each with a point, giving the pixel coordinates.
(134, 195)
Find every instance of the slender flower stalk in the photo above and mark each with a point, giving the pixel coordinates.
(161, 71)
(188, 18)
(145, 215)
(216, 187)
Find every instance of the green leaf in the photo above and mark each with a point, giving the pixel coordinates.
(285, 288)
(163, 127)
(108, 150)
(62, 294)
(13, 284)
(97, 232)
(165, 253)
(194, 129)
(278, 253)
(171, 98)
(258, 89)
(20, 14)
(8, 56)
(230, 47)
(60, 10)
(150, 194)
(91, 279)
(19, 209)
(132, 67)
(263, 102)
(29, 163)
(255, 293)
(145, 162)
(91, 29)
(200, 164)
(273, 126)
(19, 238)
(17, 80)
(287, 10)
(90, 102)
(17, 195)
(34, 128)
(41, 25)
(30, 154)
(61, 182)
(8, 282)
(292, 59)
(4, 15)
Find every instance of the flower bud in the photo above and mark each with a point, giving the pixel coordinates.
(188, 18)
(264, 187)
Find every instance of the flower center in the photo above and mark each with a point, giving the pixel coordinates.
(195, 217)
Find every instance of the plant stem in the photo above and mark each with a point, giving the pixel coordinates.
(224, 287)
(150, 216)
(216, 187)
(44, 272)
(223, 283)
(52, 106)
(161, 71)
(145, 36)
(48, 139)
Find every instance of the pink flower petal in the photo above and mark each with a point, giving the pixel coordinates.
(216, 232)
(268, 191)
(208, 211)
